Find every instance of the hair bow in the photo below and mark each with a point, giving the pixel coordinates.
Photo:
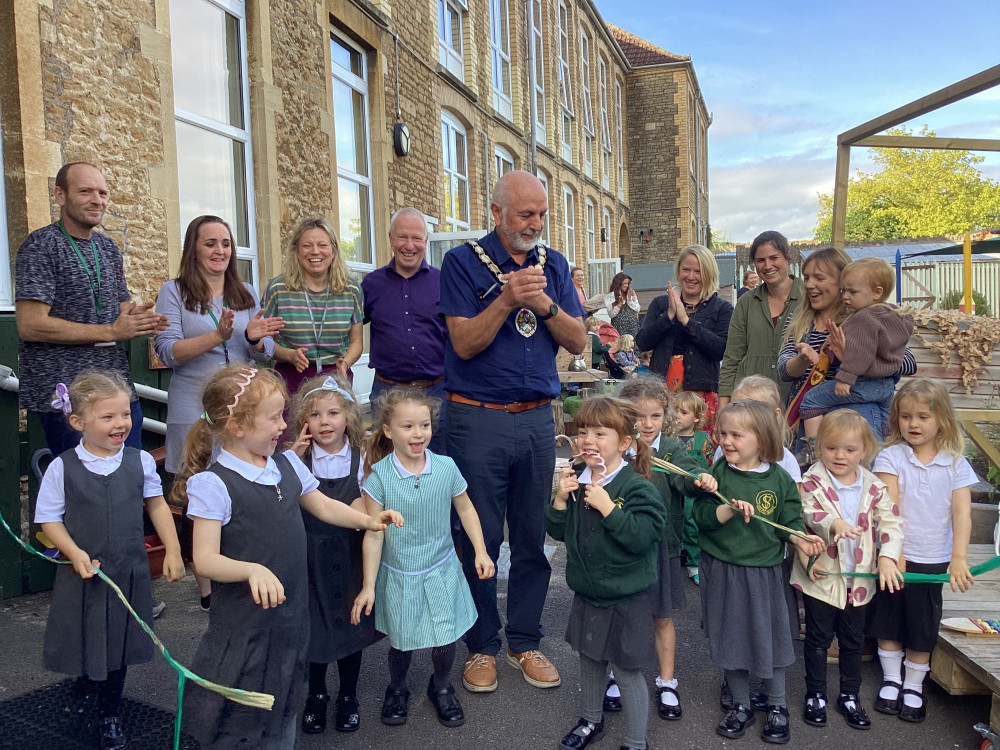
(61, 400)
(330, 384)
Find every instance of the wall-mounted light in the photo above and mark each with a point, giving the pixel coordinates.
(646, 234)
(604, 234)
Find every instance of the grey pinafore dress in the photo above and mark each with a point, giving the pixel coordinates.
(247, 646)
(89, 631)
(336, 575)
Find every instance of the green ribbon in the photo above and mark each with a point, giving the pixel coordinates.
(975, 570)
(246, 697)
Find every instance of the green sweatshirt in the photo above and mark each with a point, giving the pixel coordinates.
(674, 487)
(610, 559)
(753, 544)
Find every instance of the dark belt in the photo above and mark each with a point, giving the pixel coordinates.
(514, 408)
(411, 383)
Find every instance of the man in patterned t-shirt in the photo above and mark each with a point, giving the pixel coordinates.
(72, 306)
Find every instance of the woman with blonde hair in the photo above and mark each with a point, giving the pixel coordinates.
(321, 305)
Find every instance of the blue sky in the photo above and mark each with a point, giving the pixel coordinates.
(783, 79)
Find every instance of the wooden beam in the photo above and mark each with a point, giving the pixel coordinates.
(982, 442)
(918, 141)
(841, 182)
(953, 93)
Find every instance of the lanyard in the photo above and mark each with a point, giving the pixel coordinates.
(95, 288)
(225, 349)
(317, 332)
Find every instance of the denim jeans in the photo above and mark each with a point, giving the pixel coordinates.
(873, 393)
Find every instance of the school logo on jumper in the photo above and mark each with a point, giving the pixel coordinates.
(766, 502)
(620, 502)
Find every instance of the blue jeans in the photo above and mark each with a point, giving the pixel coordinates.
(438, 443)
(869, 397)
(60, 437)
(508, 460)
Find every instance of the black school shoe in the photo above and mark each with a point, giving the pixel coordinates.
(314, 715)
(910, 714)
(394, 707)
(776, 729)
(736, 722)
(449, 710)
(670, 713)
(582, 734)
(886, 706)
(111, 733)
(611, 703)
(813, 713)
(348, 718)
(849, 705)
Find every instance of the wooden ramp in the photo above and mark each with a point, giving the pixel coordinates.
(965, 665)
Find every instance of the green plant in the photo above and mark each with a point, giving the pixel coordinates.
(954, 298)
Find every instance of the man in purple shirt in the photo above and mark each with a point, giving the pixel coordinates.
(401, 303)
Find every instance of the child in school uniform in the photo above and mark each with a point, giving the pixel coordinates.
(929, 478)
(849, 508)
(330, 431)
(412, 575)
(742, 599)
(90, 505)
(249, 539)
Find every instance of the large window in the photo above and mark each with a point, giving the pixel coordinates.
(619, 140)
(602, 265)
(500, 47)
(6, 294)
(569, 222)
(354, 181)
(544, 179)
(451, 48)
(538, 69)
(605, 126)
(591, 221)
(565, 87)
(588, 109)
(212, 119)
(456, 173)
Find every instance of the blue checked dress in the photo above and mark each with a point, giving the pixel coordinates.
(421, 596)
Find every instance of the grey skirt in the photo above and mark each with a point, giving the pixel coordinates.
(622, 635)
(745, 616)
(667, 596)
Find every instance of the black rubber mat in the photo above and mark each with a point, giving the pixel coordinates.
(63, 716)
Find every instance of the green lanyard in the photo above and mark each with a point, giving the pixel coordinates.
(225, 349)
(95, 288)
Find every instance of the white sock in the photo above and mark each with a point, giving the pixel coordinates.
(848, 704)
(892, 671)
(821, 702)
(692, 571)
(612, 691)
(914, 681)
(667, 698)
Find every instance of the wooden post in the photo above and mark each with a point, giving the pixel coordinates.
(967, 274)
(840, 195)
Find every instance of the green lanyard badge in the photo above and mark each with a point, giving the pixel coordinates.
(95, 286)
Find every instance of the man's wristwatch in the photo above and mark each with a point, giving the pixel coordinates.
(553, 311)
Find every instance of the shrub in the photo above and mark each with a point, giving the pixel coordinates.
(954, 298)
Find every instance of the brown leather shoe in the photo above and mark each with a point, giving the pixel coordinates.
(480, 673)
(535, 667)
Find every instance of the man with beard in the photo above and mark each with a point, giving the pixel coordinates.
(509, 303)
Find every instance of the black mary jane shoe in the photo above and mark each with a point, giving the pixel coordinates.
(736, 722)
(111, 733)
(886, 706)
(314, 715)
(759, 701)
(348, 718)
(670, 713)
(776, 729)
(814, 712)
(612, 703)
(582, 734)
(849, 705)
(394, 707)
(911, 714)
(449, 710)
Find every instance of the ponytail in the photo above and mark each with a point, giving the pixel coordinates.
(379, 446)
(197, 457)
(643, 453)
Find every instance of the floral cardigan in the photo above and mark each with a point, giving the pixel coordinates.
(878, 516)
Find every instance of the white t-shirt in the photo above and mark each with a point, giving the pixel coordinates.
(925, 499)
(209, 498)
(787, 462)
(51, 504)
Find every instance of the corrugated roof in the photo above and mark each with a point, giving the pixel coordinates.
(888, 253)
(640, 52)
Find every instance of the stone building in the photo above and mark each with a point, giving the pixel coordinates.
(268, 112)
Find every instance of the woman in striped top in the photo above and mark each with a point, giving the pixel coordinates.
(321, 306)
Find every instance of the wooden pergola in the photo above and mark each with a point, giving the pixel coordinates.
(866, 135)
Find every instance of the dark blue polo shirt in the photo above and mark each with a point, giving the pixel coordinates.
(407, 335)
(512, 368)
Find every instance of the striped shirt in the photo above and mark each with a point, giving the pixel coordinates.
(342, 311)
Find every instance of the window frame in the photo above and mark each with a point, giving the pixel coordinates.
(451, 58)
(565, 87)
(619, 97)
(544, 179)
(590, 228)
(588, 105)
(452, 173)
(503, 101)
(538, 71)
(501, 156)
(569, 221)
(602, 68)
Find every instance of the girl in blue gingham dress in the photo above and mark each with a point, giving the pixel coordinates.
(420, 595)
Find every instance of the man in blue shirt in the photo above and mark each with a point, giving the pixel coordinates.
(407, 334)
(509, 303)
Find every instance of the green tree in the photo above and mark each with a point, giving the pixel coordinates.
(917, 193)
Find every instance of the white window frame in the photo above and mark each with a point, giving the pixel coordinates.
(538, 71)
(692, 135)
(503, 101)
(439, 243)
(451, 41)
(457, 174)
(590, 228)
(588, 106)
(360, 85)
(565, 87)
(544, 179)
(602, 68)
(503, 162)
(620, 140)
(569, 221)
(606, 226)
(602, 265)
(6, 285)
(237, 9)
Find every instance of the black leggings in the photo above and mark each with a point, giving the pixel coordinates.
(349, 668)
(109, 693)
(442, 658)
